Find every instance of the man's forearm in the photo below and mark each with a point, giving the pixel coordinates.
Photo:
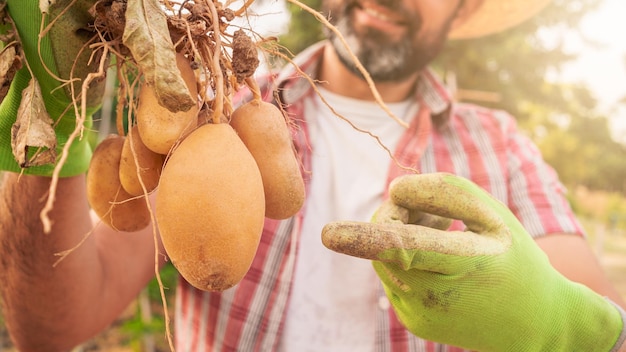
(50, 307)
(572, 256)
(36, 294)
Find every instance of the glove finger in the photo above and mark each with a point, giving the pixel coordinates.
(389, 212)
(433, 221)
(454, 197)
(409, 246)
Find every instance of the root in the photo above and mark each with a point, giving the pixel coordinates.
(155, 236)
(63, 254)
(332, 109)
(218, 108)
(80, 120)
(254, 88)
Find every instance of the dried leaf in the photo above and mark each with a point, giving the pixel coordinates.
(10, 63)
(147, 37)
(11, 54)
(33, 129)
(4, 14)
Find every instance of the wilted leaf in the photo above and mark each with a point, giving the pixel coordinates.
(33, 129)
(7, 29)
(147, 37)
(10, 62)
(11, 54)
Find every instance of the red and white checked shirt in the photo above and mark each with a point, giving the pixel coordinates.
(477, 143)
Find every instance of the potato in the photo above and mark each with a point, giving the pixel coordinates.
(150, 165)
(210, 208)
(105, 193)
(161, 129)
(263, 129)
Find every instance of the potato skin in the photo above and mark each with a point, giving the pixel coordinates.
(210, 208)
(161, 129)
(113, 205)
(150, 165)
(263, 129)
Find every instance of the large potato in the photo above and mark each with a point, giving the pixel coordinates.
(115, 207)
(210, 208)
(263, 129)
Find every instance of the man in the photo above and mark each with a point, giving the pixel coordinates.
(298, 295)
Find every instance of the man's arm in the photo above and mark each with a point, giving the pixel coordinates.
(49, 308)
(572, 256)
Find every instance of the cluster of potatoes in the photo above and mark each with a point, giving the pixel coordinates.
(215, 183)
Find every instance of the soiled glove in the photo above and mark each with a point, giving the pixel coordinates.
(60, 47)
(489, 288)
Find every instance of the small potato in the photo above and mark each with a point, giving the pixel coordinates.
(161, 129)
(263, 129)
(210, 208)
(105, 193)
(150, 165)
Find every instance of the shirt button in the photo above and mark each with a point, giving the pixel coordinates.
(383, 303)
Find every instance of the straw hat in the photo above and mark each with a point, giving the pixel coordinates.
(497, 15)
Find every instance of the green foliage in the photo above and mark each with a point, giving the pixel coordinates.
(562, 118)
(169, 277)
(599, 207)
(136, 328)
(515, 63)
(304, 29)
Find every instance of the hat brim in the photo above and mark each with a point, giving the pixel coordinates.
(497, 15)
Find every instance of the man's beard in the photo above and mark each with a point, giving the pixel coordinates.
(384, 60)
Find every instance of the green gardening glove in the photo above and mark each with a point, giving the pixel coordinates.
(63, 52)
(489, 288)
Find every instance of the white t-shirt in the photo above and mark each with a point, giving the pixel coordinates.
(334, 300)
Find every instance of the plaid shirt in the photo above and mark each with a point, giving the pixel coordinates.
(480, 144)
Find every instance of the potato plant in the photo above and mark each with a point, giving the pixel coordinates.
(218, 170)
